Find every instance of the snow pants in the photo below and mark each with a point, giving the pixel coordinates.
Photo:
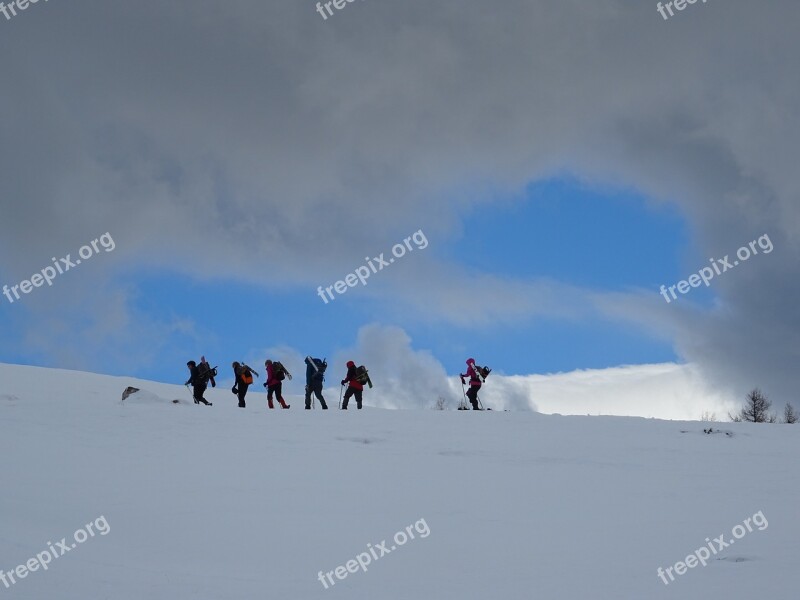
(316, 389)
(472, 394)
(277, 391)
(351, 391)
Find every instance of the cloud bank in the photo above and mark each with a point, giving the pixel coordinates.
(240, 131)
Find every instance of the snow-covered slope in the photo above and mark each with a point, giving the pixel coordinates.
(219, 502)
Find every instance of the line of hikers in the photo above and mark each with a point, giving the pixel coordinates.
(200, 375)
(357, 377)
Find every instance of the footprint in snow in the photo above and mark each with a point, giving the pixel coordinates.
(709, 431)
(359, 440)
(736, 559)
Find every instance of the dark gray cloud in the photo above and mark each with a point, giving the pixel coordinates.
(245, 129)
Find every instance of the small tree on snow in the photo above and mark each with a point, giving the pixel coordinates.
(756, 409)
(708, 416)
(789, 416)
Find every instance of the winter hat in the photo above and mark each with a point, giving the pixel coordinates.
(470, 361)
(350, 363)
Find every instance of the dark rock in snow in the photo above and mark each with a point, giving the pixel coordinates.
(128, 391)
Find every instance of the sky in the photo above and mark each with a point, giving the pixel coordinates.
(557, 162)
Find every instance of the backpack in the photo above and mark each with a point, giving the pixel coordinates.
(361, 375)
(208, 373)
(483, 371)
(319, 372)
(279, 370)
(246, 375)
(321, 365)
(205, 372)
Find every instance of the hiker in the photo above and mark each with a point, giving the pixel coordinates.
(356, 378)
(204, 367)
(276, 373)
(244, 378)
(476, 376)
(198, 382)
(315, 375)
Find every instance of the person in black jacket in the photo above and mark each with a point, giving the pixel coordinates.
(198, 382)
(315, 376)
(244, 378)
(206, 368)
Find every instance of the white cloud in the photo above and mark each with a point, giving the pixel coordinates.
(664, 391)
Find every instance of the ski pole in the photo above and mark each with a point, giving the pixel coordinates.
(464, 396)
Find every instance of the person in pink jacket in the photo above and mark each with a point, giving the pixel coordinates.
(474, 382)
(276, 373)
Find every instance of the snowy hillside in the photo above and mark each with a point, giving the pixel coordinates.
(194, 502)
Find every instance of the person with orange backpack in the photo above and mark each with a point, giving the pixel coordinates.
(276, 373)
(244, 379)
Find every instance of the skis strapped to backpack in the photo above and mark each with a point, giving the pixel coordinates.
(362, 376)
(206, 372)
(246, 374)
(318, 365)
(281, 371)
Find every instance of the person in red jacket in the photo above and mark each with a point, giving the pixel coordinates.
(274, 384)
(354, 388)
(474, 383)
